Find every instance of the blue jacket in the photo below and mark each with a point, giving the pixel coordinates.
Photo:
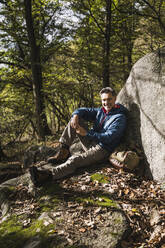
(108, 128)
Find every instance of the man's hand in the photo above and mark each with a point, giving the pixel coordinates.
(81, 131)
(75, 122)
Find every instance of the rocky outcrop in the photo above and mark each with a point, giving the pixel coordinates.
(10, 170)
(36, 153)
(107, 235)
(144, 95)
(102, 227)
(87, 210)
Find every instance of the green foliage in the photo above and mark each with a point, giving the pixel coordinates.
(15, 112)
(71, 54)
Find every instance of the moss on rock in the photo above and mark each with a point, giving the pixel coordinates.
(13, 233)
(100, 200)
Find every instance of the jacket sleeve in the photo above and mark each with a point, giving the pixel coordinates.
(112, 134)
(88, 114)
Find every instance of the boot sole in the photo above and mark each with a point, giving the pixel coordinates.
(33, 174)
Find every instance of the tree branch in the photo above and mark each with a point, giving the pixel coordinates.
(95, 20)
(12, 64)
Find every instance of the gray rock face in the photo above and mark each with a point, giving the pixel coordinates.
(110, 234)
(144, 95)
(36, 153)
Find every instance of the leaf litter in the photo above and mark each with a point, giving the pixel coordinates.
(142, 201)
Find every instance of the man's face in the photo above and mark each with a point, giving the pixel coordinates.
(108, 101)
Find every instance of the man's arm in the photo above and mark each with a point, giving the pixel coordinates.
(86, 114)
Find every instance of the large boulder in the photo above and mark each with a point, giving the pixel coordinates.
(144, 95)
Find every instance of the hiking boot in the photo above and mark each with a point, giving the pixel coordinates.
(39, 177)
(61, 156)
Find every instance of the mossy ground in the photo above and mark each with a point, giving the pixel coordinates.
(14, 234)
(98, 200)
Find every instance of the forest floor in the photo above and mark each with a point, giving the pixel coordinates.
(141, 200)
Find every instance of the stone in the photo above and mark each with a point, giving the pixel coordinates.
(109, 234)
(10, 170)
(144, 96)
(34, 242)
(157, 227)
(4, 204)
(5, 190)
(36, 153)
(45, 218)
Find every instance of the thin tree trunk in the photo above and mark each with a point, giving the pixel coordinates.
(41, 121)
(2, 155)
(106, 48)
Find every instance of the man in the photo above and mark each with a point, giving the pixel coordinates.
(109, 123)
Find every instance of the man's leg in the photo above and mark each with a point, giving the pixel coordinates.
(94, 155)
(66, 140)
(68, 136)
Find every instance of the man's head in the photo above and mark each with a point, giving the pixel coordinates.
(108, 98)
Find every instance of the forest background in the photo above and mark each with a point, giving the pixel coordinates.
(55, 56)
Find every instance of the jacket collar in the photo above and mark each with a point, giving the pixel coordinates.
(116, 106)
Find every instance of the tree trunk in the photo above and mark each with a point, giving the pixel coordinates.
(41, 121)
(2, 155)
(106, 46)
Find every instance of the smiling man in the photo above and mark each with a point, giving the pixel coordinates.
(109, 123)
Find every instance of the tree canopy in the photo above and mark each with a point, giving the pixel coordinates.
(56, 55)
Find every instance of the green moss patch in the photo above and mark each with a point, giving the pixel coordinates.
(101, 178)
(14, 235)
(100, 200)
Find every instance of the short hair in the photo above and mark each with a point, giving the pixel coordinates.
(108, 90)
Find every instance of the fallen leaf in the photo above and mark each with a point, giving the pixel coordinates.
(126, 191)
(82, 230)
(97, 210)
(61, 232)
(132, 195)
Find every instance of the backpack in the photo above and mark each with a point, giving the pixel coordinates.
(124, 157)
